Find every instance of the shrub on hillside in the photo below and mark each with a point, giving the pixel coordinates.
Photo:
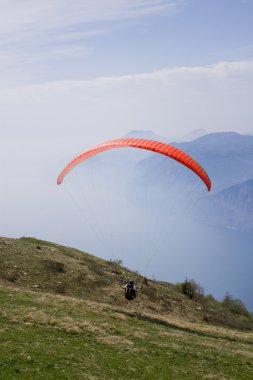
(235, 306)
(11, 276)
(191, 289)
(55, 266)
(230, 312)
(118, 262)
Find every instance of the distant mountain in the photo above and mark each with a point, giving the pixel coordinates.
(227, 158)
(143, 134)
(231, 208)
(191, 136)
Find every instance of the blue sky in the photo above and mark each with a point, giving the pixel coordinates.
(82, 40)
(74, 73)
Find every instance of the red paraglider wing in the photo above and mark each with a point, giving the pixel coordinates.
(154, 146)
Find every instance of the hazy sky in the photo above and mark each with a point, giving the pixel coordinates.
(77, 72)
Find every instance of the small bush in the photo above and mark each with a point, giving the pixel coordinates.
(118, 262)
(11, 277)
(235, 306)
(191, 289)
(55, 266)
(209, 300)
(60, 289)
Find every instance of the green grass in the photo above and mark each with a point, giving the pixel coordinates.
(55, 337)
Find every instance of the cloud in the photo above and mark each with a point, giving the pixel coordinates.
(54, 14)
(169, 101)
(35, 35)
(31, 22)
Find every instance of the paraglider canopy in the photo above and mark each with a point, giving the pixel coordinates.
(154, 146)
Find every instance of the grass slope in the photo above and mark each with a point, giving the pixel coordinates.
(63, 316)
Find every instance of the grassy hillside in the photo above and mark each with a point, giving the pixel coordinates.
(63, 316)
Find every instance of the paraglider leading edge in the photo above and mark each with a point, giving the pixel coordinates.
(151, 145)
